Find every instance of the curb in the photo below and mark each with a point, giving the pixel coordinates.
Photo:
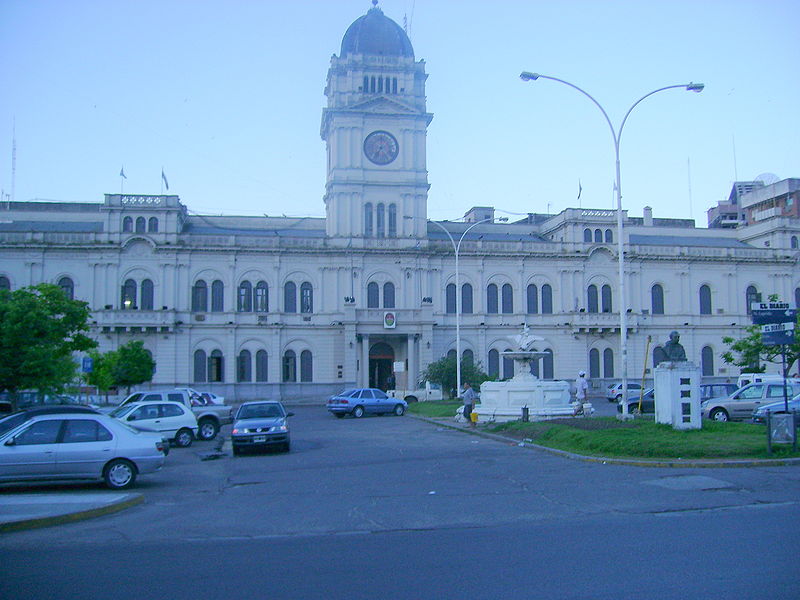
(629, 462)
(80, 515)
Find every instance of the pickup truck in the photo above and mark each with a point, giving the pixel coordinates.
(210, 417)
(424, 392)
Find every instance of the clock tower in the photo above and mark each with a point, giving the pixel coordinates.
(375, 127)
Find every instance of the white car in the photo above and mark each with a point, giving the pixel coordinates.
(78, 446)
(172, 419)
(614, 391)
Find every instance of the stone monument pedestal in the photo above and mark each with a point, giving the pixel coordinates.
(677, 394)
(503, 401)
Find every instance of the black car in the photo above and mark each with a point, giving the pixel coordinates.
(648, 405)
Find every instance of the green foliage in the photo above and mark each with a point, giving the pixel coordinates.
(40, 329)
(443, 372)
(132, 365)
(102, 375)
(749, 351)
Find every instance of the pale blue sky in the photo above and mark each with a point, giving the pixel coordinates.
(227, 96)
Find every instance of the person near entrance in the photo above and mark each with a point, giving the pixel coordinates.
(390, 382)
(469, 402)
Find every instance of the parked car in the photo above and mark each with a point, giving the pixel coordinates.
(741, 404)
(203, 398)
(361, 401)
(709, 391)
(18, 418)
(648, 403)
(210, 417)
(778, 407)
(78, 446)
(260, 424)
(614, 391)
(172, 419)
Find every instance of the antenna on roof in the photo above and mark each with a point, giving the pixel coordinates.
(13, 159)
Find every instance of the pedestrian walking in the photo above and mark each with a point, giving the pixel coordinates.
(469, 402)
(581, 389)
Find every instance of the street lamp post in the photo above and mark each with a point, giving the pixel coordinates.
(616, 135)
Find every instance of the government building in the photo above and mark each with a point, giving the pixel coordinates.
(299, 308)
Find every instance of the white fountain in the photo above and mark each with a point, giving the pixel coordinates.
(506, 400)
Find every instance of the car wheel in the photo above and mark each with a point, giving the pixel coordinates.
(719, 414)
(208, 430)
(399, 410)
(339, 415)
(184, 437)
(119, 474)
(358, 412)
(410, 399)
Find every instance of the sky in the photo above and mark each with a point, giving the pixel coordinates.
(227, 97)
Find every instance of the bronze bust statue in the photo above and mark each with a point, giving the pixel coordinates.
(673, 351)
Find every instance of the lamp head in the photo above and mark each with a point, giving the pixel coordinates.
(528, 76)
(695, 87)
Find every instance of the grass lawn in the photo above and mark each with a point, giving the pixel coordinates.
(640, 438)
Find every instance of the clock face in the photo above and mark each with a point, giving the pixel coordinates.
(381, 147)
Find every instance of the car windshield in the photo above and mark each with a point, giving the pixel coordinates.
(121, 411)
(260, 411)
(11, 421)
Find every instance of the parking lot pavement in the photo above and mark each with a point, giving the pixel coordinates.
(28, 511)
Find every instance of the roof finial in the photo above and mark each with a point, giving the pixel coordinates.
(375, 3)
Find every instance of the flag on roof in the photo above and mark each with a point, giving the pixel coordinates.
(164, 177)
(122, 173)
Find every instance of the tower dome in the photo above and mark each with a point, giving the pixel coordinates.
(376, 34)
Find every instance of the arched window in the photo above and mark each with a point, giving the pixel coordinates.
(147, 295)
(394, 85)
(261, 297)
(380, 85)
(366, 84)
(244, 302)
(594, 363)
(200, 366)
(216, 372)
(468, 358)
(587, 235)
(152, 225)
(289, 366)
(243, 367)
(508, 366)
(290, 297)
(547, 299)
(380, 221)
(707, 361)
(68, 287)
(657, 299)
(466, 299)
(368, 219)
(534, 367)
(533, 299)
(129, 294)
(127, 225)
(372, 84)
(794, 242)
(450, 299)
(217, 296)
(451, 354)
(306, 298)
(796, 297)
(140, 224)
(494, 364)
(705, 300)
(392, 220)
(306, 366)
(609, 236)
(261, 365)
(388, 295)
(508, 299)
(199, 297)
(750, 296)
(5, 284)
(605, 293)
(491, 299)
(547, 364)
(591, 299)
(608, 363)
(598, 235)
(372, 295)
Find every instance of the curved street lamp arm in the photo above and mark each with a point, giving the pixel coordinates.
(635, 104)
(467, 230)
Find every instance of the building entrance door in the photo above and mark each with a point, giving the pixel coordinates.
(381, 359)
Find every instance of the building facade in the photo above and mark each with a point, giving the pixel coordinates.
(298, 308)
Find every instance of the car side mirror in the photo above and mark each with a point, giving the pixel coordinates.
(11, 442)
(290, 414)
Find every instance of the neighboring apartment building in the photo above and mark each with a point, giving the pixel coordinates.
(297, 308)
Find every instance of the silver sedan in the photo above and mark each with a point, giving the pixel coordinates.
(79, 446)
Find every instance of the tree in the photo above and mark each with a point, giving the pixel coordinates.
(40, 329)
(750, 351)
(443, 372)
(133, 365)
(102, 375)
